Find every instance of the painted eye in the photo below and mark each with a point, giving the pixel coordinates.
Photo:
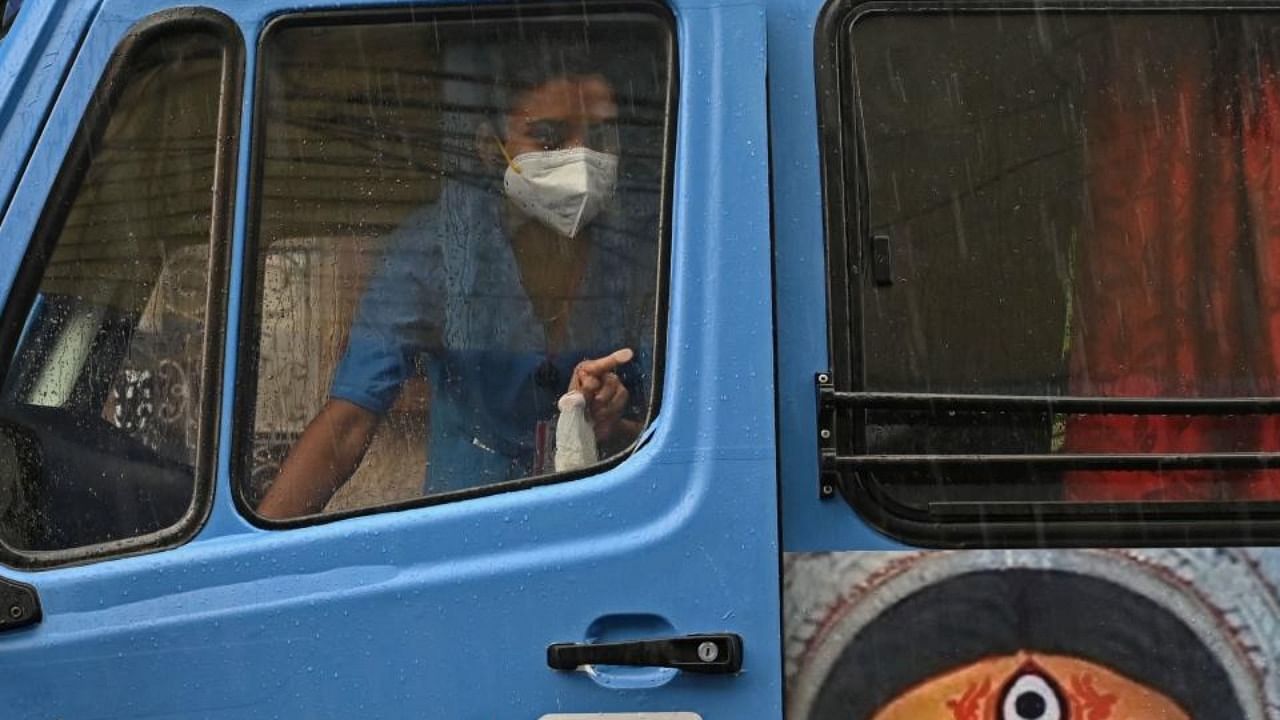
(1031, 697)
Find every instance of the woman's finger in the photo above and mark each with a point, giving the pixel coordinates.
(607, 364)
(587, 384)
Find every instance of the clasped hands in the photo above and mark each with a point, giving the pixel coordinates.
(604, 392)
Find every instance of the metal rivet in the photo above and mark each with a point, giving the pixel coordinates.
(15, 612)
(824, 378)
(708, 652)
(828, 490)
(826, 434)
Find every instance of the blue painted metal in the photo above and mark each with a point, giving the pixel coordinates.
(33, 62)
(446, 611)
(808, 523)
(225, 518)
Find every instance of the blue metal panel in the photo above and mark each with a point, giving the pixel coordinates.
(53, 138)
(33, 60)
(808, 523)
(225, 518)
(447, 611)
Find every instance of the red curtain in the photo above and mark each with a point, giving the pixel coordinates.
(1177, 286)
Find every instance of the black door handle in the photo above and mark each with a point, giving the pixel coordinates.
(719, 654)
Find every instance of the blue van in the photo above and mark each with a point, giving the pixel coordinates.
(665, 359)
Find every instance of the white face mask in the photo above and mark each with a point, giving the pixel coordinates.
(562, 189)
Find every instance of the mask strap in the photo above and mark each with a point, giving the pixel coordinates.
(514, 165)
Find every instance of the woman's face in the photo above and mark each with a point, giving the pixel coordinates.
(562, 113)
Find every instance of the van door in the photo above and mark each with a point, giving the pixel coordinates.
(1028, 462)
(222, 200)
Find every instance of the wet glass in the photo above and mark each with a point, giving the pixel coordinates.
(1075, 204)
(105, 388)
(408, 307)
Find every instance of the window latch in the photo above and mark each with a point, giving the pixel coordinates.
(882, 260)
(719, 654)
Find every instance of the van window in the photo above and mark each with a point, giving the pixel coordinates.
(1067, 237)
(457, 215)
(104, 412)
(8, 13)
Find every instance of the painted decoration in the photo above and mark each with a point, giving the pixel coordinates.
(1026, 686)
(1033, 635)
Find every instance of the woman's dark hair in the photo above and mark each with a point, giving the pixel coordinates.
(517, 68)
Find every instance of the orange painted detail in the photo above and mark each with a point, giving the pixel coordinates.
(1086, 691)
(969, 705)
(1091, 704)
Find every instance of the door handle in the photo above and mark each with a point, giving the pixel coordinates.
(717, 654)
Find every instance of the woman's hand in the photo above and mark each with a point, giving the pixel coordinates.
(605, 394)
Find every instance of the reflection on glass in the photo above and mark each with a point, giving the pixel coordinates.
(104, 394)
(455, 217)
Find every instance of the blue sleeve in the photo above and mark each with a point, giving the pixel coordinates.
(399, 317)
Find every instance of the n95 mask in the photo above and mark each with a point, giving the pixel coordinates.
(562, 189)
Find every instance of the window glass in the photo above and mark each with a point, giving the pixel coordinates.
(100, 409)
(1071, 204)
(8, 13)
(456, 212)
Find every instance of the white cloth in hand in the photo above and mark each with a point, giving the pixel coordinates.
(575, 437)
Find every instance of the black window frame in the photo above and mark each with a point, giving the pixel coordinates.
(846, 468)
(246, 387)
(76, 163)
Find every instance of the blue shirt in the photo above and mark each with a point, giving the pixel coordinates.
(446, 300)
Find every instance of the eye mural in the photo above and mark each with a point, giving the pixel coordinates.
(1033, 635)
(1027, 686)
